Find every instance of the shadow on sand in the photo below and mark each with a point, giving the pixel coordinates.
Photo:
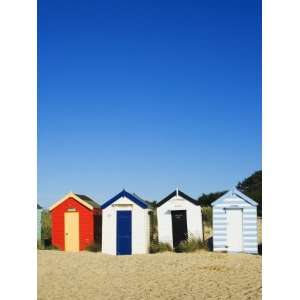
(210, 245)
(260, 248)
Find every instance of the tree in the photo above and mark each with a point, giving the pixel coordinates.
(207, 199)
(252, 187)
(46, 225)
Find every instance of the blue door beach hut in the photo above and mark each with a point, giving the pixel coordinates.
(125, 225)
(235, 223)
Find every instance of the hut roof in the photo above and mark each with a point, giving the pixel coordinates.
(178, 193)
(89, 200)
(235, 193)
(83, 199)
(133, 197)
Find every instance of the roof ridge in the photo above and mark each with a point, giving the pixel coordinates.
(88, 200)
(238, 193)
(133, 197)
(181, 194)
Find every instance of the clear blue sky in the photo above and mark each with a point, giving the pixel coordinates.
(147, 96)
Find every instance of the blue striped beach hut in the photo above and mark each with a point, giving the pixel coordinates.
(235, 223)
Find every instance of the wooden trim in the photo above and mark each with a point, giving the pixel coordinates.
(75, 197)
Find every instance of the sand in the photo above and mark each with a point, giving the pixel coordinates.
(200, 275)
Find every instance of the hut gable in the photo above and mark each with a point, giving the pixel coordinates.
(234, 197)
(82, 199)
(121, 198)
(177, 194)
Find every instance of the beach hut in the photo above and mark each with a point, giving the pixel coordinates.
(76, 222)
(125, 225)
(235, 223)
(39, 222)
(179, 217)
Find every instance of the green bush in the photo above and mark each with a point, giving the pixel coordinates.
(190, 245)
(41, 245)
(153, 225)
(94, 247)
(207, 215)
(156, 247)
(51, 247)
(46, 225)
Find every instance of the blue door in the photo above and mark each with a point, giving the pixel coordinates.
(123, 232)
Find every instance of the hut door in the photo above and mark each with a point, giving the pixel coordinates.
(124, 232)
(234, 230)
(71, 231)
(179, 226)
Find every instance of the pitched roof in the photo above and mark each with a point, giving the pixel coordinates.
(148, 202)
(133, 197)
(237, 193)
(181, 194)
(89, 200)
(39, 207)
(83, 199)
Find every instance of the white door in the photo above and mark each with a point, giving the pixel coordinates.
(234, 230)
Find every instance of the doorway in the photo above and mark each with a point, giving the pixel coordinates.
(179, 227)
(234, 230)
(72, 231)
(124, 221)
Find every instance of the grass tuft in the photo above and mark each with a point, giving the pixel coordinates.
(156, 247)
(191, 245)
(93, 247)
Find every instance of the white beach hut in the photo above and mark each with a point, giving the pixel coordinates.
(125, 225)
(178, 217)
(235, 223)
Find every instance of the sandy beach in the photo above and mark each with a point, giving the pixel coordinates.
(200, 275)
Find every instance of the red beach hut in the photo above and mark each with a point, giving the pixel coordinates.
(76, 222)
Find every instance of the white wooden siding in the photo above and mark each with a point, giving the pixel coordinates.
(164, 219)
(140, 227)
